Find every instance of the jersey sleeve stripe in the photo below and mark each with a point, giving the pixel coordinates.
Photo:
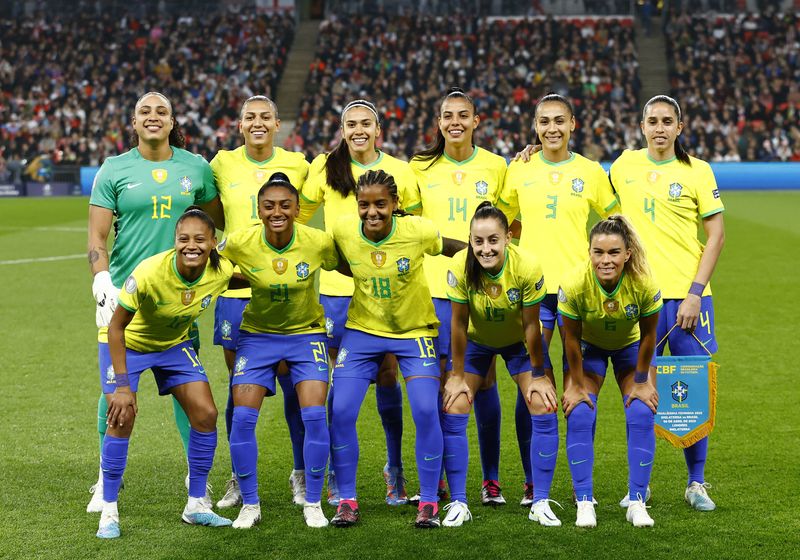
(565, 314)
(131, 309)
(653, 312)
(451, 298)
(708, 214)
(532, 303)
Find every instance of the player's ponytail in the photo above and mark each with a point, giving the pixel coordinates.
(473, 271)
(198, 213)
(338, 173)
(680, 152)
(617, 224)
(380, 178)
(434, 151)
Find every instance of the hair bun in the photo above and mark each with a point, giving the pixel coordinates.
(279, 177)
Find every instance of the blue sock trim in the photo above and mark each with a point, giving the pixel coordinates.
(488, 418)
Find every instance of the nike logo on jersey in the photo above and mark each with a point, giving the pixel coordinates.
(254, 269)
(160, 303)
(133, 185)
(629, 181)
(528, 183)
(233, 185)
(428, 364)
(322, 368)
(432, 185)
(547, 455)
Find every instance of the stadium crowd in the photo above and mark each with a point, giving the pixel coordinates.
(737, 78)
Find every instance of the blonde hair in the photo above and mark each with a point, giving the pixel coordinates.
(617, 224)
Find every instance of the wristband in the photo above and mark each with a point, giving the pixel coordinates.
(697, 289)
(640, 377)
(537, 372)
(122, 380)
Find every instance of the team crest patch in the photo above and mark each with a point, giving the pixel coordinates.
(513, 295)
(458, 177)
(680, 391)
(555, 177)
(577, 185)
(657, 296)
(159, 175)
(540, 283)
(279, 265)
(187, 296)
(452, 281)
(329, 327)
(584, 347)
(611, 305)
(341, 356)
(632, 311)
(260, 175)
(403, 265)
(302, 270)
(378, 258)
(482, 188)
(493, 290)
(653, 176)
(241, 363)
(675, 191)
(715, 193)
(186, 185)
(206, 302)
(111, 378)
(562, 297)
(130, 284)
(225, 328)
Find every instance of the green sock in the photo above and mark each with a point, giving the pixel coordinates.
(102, 411)
(182, 421)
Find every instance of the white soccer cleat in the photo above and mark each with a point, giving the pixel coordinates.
(96, 503)
(197, 512)
(637, 514)
(109, 522)
(297, 480)
(207, 501)
(249, 515)
(541, 512)
(314, 516)
(697, 497)
(233, 496)
(625, 502)
(457, 514)
(586, 515)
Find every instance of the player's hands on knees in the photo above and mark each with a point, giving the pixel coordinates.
(105, 295)
(455, 386)
(546, 390)
(527, 152)
(573, 396)
(688, 313)
(645, 392)
(122, 408)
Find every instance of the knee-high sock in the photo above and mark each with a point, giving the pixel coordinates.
(544, 452)
(695, 456)
(182, 422)
(329, 405)
(102, 418)
(423, 396)
(291, 411)
(487, 417)
(315, 450)
(244, 452)
(202, 446)
(522, 418)
(580, 448)
(350, 393)
(390, 408)
(112, 460)
(456, 453)
(640, 421)
(229, 416)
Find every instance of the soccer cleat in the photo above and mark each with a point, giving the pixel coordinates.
(575, 499)
(207, 501)
(197, 512)
(586, 515)
(697, 497)
(233, 496)
(491, 495)
(395, 486)
(427, 516)
(441, 493)
(109, 524)
(333, 489)
(249, 515)
(541, 513)
(637, 514)
(527, 496)
(314, 516)
(96, 503)
(297, 480)
(625, 502)
(347, 514)
(457, 514)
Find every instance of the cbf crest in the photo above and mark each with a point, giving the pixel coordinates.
(241, 363)
(482, 188)
(205, 302)
(279, 265)
(513, 295)
(111, 378)
(680, 391)
(675, 190)
(632, 311)
(403, 265)
(378, 258)
(159, 175)
(341, 356)
(577, 185)
(302, 270)
(186, 185)
(225, 328)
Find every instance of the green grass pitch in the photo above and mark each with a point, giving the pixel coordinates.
(49, 456)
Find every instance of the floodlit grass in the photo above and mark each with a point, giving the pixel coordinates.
(49, 455)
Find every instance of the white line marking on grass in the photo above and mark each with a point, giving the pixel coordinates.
(44, 259)
(45, 228)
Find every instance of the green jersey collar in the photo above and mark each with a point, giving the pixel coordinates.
(382, 241)
(178, 274)
(279, 251)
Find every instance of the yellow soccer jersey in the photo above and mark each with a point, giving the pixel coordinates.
(317, 191)
(554, 200)
(391, 296)
(284, 299)
(665, 202)
(495, 313)
(239, 177)
(609, 320)
(450, 192)
(165, 304)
